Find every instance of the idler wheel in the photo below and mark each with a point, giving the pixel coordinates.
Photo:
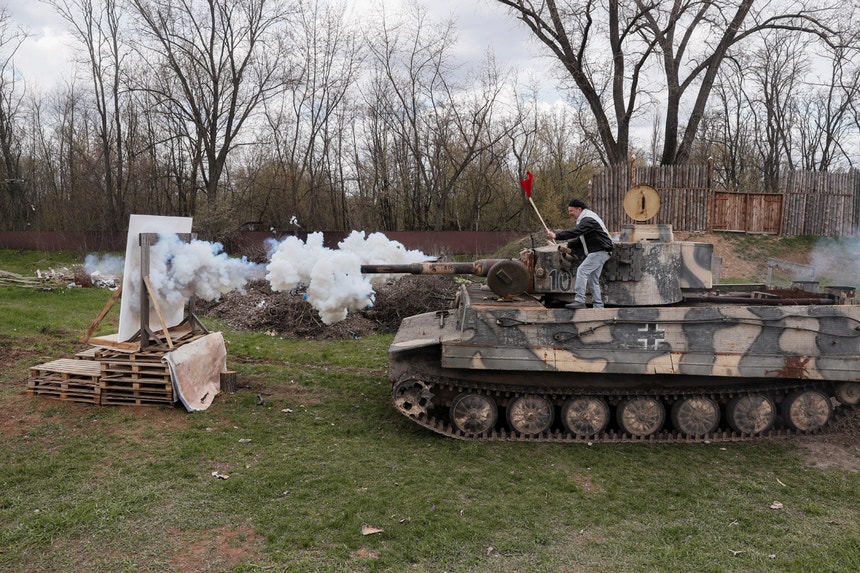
(474, 413)
(695, 416)
(585, 416)
(412, 397)
(530, 415)
(848, 393)
(641, 416)
(807, 410)
(751, 414)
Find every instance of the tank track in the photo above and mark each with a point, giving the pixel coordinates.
(560, 435)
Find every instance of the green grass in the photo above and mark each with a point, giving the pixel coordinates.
(27, 262)
(762, 247)
(89, 488)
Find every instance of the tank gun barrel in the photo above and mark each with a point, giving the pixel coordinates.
(479, 268)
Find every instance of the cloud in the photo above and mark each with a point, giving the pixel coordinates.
(43, 60)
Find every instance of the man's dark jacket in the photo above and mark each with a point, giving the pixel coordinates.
(588, 229)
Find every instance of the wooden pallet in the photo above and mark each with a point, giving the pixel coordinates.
(88, 354)
(139, 395)
(67, 379)
(140, 381)
(144, 371)
(126, 390)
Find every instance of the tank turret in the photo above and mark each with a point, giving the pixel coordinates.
(671, 357)
(639, 272)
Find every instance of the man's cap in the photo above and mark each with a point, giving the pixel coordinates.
(576, 203)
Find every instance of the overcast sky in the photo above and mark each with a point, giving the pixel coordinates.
(44, 58)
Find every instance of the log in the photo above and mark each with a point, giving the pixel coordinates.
(228, 381)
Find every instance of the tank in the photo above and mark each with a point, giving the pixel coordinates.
(672, 356)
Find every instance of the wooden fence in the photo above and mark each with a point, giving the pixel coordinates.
(685, 194)
(748, 212)
(807, 203)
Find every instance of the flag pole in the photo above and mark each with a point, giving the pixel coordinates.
(538, 214)
(526, 184)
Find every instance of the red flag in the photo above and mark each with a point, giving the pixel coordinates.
(527, 184)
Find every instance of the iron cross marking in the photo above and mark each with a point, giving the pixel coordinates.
(651, 334)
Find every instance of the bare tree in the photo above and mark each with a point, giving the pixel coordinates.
(96, 23)
(610, 50)
(825, 112)
(436, 127)
(774, 78)
(212, 64)
(13, 201)
(728, 132)
(308, 126)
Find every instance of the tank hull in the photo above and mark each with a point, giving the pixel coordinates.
(505, 352)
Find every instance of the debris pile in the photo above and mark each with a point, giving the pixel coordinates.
(61, 277)
(289, 315)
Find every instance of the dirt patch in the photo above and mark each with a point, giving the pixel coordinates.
(220, 549)
(823, 452)
(586, 483)
(364, 554)
(19, 414)
(840, 448)
(732, 265)
(11, 352)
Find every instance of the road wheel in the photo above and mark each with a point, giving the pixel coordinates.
(751, 414)
(474, 413)
(807, 411)
(586, 416)
(641, 416)
(530, 415)
(848, 393)
(695, 415)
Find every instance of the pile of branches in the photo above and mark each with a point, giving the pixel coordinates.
(289, 315)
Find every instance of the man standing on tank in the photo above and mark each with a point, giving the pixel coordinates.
(594, 239)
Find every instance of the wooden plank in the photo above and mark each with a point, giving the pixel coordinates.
(164, 329)
(133, 400)
(140, 368)
(111, 301)
(68, 367)
(110, 341)
(65, 395)
(88, 354)
(64, 386)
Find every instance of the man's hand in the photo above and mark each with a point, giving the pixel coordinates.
(551, 235)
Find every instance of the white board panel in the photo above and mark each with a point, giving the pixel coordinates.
(129, 313)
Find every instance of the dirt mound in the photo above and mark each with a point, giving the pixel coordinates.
(289, 315)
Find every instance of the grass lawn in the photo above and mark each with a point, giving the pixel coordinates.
(312, 451)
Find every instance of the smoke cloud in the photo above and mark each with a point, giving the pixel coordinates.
(103, 266)
(838, 260)
(333, 278)
(179, 270)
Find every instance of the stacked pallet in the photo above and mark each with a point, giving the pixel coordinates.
(99, 376)
(74, 380)
(138, 378)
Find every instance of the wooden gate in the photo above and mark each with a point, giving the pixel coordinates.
(748, 212)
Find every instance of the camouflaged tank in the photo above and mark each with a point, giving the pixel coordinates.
(671, 357)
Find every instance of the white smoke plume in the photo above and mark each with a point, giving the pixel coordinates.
(333, 278)
(179, 270)
(104, 265)
(838, 260)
